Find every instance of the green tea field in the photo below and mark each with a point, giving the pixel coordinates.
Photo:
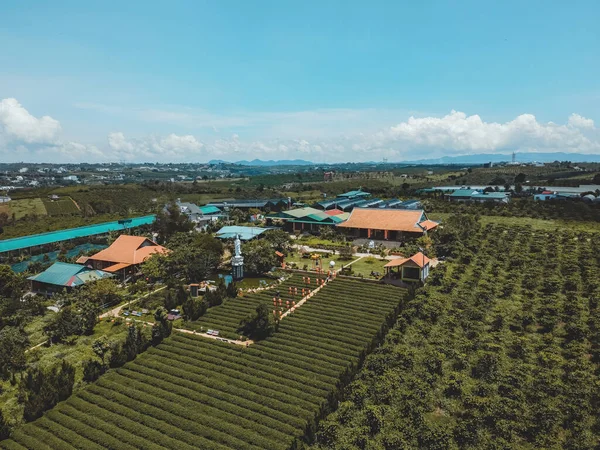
(191, 392)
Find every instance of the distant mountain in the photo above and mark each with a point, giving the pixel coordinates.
(520, 157)
(260, 162)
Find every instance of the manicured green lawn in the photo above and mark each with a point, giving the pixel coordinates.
(325, 259)
(367, 265)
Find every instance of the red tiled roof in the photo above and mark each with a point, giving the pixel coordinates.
(428, 224)
(129, 250)
(418, 258)
(384, 219)
(333, 212)
(116, 267)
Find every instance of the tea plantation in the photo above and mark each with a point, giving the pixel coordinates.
(191, 392)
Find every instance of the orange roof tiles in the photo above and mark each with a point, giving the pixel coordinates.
(418, 258)
(428, 224)
(385, 219)
(333, 212)
(116, 267)
(129, 250)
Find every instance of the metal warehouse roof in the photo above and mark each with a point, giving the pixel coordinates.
(499, 195)
(245, 233)
(353, 194)
(34, 240)
(464, 193)
(209, 209)
(64, 274)
(256, 203)
(327, 203)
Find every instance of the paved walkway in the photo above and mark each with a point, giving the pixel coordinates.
(302, 302)
(116, 311)
(362, 255)
(201, 334)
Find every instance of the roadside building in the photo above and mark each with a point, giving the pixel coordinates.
(63, 276)
(387, 224)
(123, 256)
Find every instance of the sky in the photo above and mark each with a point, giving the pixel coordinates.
(326, 81)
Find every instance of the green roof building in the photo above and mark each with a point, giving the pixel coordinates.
(61, 276)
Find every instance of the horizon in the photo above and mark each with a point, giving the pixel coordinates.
(328, 82)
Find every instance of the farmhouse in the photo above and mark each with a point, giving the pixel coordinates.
(387, 224)
(60, 276)
(4, 199)
(415, 268)
(124, 255)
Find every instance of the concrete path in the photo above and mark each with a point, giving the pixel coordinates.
(116, 311)
(199, 333)
(302, 302)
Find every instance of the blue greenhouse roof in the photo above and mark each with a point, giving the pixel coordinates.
(352, 194)
(209, 209)
(34, 240)
(64, 274)
(246, 233)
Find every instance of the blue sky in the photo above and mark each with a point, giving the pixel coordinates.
(321, 80)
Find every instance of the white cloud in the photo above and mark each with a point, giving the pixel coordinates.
(16, 123)
(305, 134)
(154, 147)
(457, 133)
(580, 122)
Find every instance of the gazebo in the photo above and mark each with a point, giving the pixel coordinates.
(409, 270)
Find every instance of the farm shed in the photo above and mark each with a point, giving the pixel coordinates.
(61, 276)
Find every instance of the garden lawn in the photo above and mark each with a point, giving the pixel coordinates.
(325, 259)
(365, 266)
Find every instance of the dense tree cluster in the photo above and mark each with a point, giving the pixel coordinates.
(192, 257)
(500, 351)
(550, 209)
(258, 325)
(40, 390)
(259, 254)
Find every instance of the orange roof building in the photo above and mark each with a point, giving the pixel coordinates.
(124, 254)
(415, 268)
(388, 224)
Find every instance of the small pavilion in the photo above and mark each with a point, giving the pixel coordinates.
(409, 270)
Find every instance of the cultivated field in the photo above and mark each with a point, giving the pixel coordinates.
(60, 207)
(27, 206)
(191, 392)
(501, 349)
